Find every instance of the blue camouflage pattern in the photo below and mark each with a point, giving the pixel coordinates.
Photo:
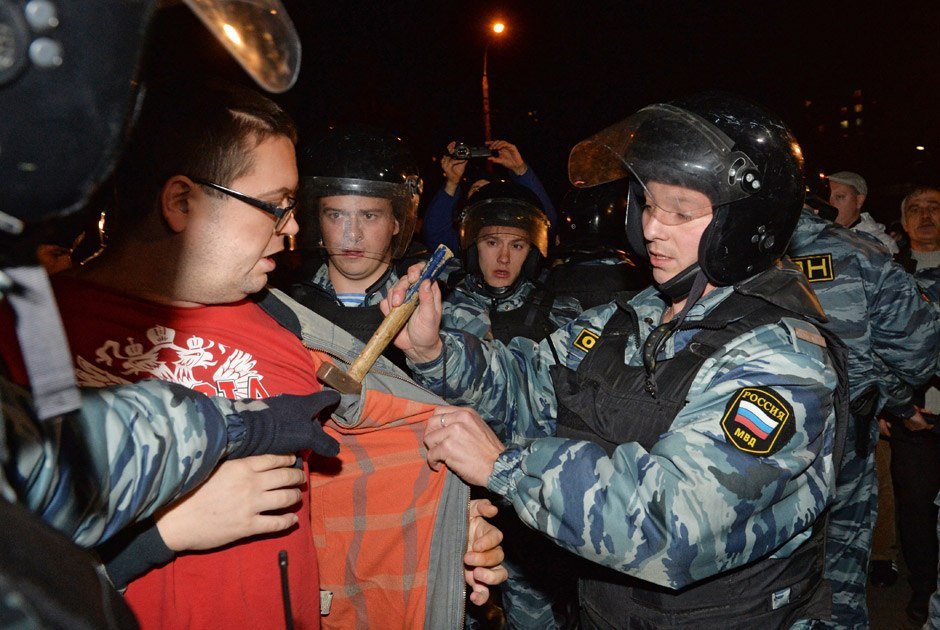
(692, 506)
(527, 601)
(928, 279)
(893, 336)
(128, 451)
(467, 308)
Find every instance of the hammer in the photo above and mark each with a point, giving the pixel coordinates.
(350, 382)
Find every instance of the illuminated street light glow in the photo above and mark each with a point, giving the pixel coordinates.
(498, 29)
(920, 147)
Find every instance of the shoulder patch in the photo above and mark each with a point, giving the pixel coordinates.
(758, 420)
(586, 340)
(816, 268)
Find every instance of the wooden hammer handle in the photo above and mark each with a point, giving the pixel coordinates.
(397, 317)
(382, 336)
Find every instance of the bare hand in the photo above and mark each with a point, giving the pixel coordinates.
(453, 170)
(463, 443)
(420, 339)
(509, 156)
(483, 560)
(234, 504)
(917, 422)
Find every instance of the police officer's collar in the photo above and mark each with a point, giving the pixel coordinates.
(378, 284)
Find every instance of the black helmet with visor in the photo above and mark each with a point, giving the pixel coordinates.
(741, 157)
(361, 163)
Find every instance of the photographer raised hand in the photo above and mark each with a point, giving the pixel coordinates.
(439, 219)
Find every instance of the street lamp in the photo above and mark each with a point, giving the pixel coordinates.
(497, 28)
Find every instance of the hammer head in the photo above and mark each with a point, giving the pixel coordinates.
(333, 376)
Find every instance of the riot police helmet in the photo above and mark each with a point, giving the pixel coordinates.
(742, 157)
(504, 203)
(593, 220)
(364, 163)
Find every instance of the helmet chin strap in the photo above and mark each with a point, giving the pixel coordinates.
(695, 280)
(679, 286)
(497, 293)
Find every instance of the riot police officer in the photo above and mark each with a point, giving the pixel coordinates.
(359, 200)
(593, 260)
(696, 424)
(504, 243)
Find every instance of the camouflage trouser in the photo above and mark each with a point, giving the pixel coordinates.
(848, 540)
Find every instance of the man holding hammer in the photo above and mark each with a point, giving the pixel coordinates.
(683, 440)
(206, 194)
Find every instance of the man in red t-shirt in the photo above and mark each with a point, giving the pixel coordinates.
(168, 301)
(206, 194)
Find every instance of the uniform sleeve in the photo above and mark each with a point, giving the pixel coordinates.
(508, 384)
(461, 314)
(438, 224)
(126, 452)
(565, 309)
(905, 328)
(530, 181)
(701, 500)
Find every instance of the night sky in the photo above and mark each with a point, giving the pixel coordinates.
(564, 70)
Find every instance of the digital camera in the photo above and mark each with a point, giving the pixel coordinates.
(464, 151)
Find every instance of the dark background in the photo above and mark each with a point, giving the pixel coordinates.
(564, 70)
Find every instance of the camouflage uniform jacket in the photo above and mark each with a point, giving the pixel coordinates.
(126, 457)
(873, 305)
(468, 307)
(695, 504)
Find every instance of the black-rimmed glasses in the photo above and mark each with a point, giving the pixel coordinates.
(282, 214)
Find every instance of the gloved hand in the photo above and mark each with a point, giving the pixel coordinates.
(283, 424)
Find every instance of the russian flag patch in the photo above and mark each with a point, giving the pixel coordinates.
(758, 420)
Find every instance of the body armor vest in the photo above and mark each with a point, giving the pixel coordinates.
(532, 320)
(359, 321)
(770, 593)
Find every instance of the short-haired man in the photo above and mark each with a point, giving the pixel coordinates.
(207, 192)
(847, 192)
(915, 449)
(893, 336)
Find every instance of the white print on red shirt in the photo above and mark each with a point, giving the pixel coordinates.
(192, 365)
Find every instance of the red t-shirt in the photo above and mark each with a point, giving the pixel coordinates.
(232, 350)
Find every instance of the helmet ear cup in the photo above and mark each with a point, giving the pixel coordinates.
(530, 268)
(471, 259)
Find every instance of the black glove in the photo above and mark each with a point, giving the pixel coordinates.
(285, 424)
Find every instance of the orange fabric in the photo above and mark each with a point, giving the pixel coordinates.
(373, 531)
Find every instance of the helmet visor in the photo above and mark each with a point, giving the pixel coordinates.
(670, 145)
(404, 198)
(505, 214)
(259, 34)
